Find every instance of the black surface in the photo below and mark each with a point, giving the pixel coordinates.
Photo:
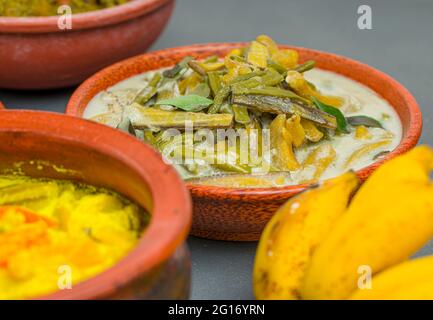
(400, 44)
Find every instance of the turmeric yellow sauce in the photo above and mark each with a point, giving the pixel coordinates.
(54, 234)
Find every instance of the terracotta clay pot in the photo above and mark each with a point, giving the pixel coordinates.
(241, 214)
(159, 267)
(36, 54)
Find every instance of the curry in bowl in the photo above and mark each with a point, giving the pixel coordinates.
(57, 233)
(40, 8)
(254, 118)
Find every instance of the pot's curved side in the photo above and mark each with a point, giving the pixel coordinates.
(60, 59)
(170, 281)
(233, 219)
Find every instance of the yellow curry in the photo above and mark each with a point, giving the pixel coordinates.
(54, 234)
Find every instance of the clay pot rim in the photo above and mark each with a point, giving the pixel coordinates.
(160, 239)
(409, 139)
(80, 21)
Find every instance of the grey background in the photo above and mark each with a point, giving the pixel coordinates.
(400, 44)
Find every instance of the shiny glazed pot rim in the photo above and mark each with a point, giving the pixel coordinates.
(384, 85)
(87, 20)
(171, 212)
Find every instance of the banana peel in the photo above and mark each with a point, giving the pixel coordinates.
(388, 220)
(292, 235)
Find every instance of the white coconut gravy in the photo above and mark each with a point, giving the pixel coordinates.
(359, 100)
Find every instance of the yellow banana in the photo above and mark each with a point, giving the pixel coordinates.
(292, 234)
(389, 219)
(409, 280)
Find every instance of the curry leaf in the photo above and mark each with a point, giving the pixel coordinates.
(341, 120)
(364, 121)
(189, 102)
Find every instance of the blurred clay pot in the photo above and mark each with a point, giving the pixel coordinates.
(36, 54)
(159, 267)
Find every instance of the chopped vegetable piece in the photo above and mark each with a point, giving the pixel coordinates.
(29, 191)
(283, 157)
(226, 108)
(268, 91)
(149, 91)
(362, 133)
(214, 80)
(167, 91)
(381, 154)
(281, 69)
(306, 66)
(364, 150)
(197, 67)
(211, 59)
(241, 114)
(126, 126)
(364, 121)
(211, 66)
(311, 132)
(190, 102)
(222, 94)
(247, 76)
(189, 83)
(202, 90)
(301, 86)
(286, 57)
(278, 105)
(173, 72)
(321, 158)
(272, 77)
(269, 43)
(149, 118)
(293, 126)
(109, 119)
(232, 167)
(258, 54)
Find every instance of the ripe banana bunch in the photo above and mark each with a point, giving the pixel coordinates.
(290, 237)
(315, 245)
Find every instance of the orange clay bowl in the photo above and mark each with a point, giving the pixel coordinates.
(159, 266)
(241, 214)
(36, 54)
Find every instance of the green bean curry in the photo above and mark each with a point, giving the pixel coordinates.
(256, 117)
